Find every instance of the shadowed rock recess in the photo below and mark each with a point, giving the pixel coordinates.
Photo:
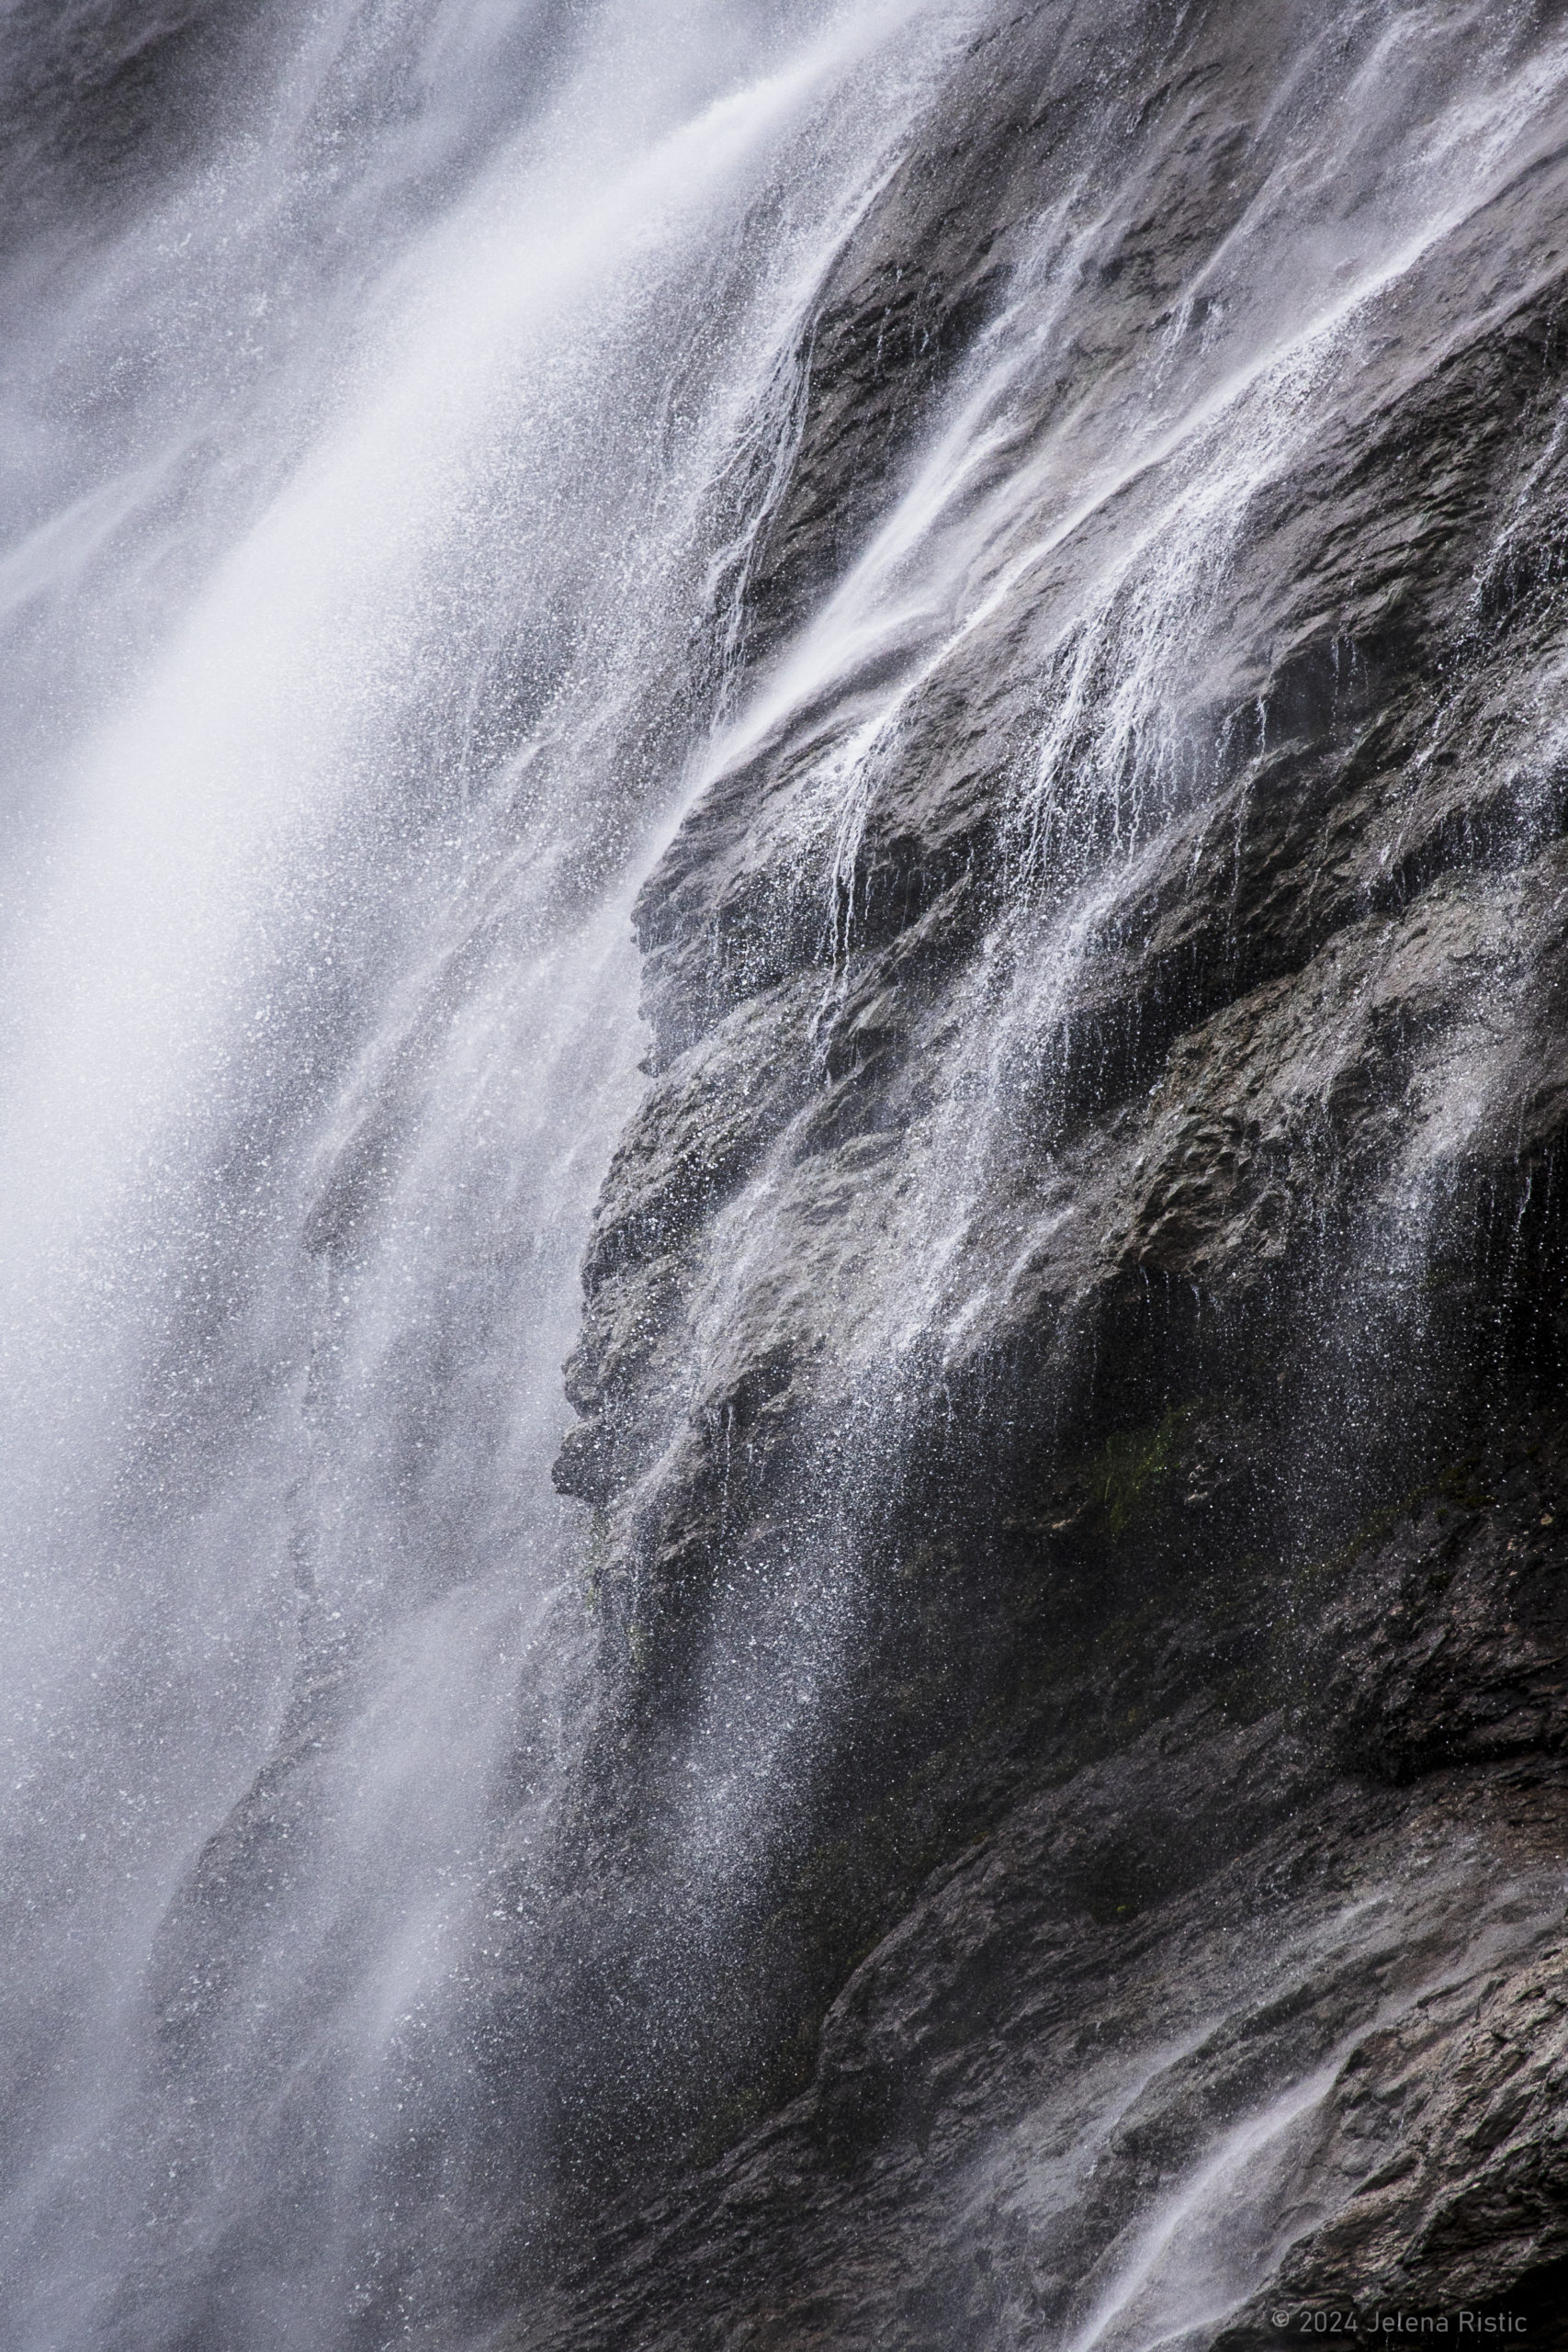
(1071, 1383)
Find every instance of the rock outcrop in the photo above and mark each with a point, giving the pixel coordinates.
(1071, 1371)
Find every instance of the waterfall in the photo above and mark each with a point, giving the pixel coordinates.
(373, 443)
(765, 920)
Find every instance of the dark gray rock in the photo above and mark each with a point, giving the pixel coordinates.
(1085, 1288)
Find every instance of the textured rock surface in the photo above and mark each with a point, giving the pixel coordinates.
(1402, 2063)
(1092, 1241)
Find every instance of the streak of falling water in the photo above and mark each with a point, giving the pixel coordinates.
(366, 469)
(1103, 533)
(1112, 524)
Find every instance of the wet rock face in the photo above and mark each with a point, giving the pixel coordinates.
(1019, 2092)
(1083, 1292)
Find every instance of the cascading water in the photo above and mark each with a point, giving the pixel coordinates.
(1056, 686)
(405, 404)
(368, 469)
